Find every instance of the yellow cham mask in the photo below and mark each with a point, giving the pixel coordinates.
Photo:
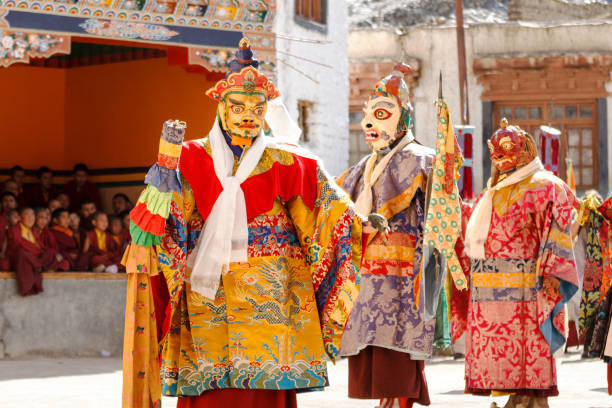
(242, 116)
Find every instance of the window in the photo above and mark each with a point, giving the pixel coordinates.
(577, 121)
(304, 114)
(311, 10)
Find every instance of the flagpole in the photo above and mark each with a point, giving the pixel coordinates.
(463, 85)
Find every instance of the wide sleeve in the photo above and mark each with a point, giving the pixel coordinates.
(152, 226)
(331, 235)
(556, 275)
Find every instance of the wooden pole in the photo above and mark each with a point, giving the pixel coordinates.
(463, 84)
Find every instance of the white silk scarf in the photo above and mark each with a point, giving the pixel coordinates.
(480, 221)
(225, 237)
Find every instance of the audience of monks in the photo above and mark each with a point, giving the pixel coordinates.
(44, 228)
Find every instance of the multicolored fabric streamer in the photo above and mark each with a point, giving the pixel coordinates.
(443, 224)
(148, 218)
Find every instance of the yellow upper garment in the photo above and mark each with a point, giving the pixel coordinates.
(275, 320)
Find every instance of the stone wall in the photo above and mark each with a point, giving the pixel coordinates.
(558, 10)
(73, 317)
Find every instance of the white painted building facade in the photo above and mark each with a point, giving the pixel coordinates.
(320, 86)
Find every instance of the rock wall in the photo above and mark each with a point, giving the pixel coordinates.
(558, 10)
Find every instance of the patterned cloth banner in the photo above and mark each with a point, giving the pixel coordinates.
(465, 137)
(443, 224)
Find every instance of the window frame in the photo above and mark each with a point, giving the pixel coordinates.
(310, 23)
(564, 124)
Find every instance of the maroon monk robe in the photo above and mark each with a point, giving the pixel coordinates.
(37, 197)
(5, 264)
(87, 192)
(69, 248)
(111, 256)
(27, 259)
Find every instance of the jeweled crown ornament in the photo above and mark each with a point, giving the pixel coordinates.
(243, 76)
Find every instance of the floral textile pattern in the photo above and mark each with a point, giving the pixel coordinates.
(515, 318)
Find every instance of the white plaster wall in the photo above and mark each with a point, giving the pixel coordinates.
(436, 49)
(609, 103)
(329, 90)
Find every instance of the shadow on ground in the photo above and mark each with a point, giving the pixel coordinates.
(65, 367)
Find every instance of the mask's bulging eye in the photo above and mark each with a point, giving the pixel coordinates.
(382, 114)
(237, 109)
(507, 146)
(259, 111)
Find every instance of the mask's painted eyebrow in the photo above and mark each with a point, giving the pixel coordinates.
(384, 104)
(262, 103)
(235, 102)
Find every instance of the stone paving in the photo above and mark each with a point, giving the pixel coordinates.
(96, 383)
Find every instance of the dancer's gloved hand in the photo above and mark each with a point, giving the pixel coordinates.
(375, 224)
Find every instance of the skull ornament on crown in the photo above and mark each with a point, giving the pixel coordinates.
(511, 147)
(386, 114)
(243, 96)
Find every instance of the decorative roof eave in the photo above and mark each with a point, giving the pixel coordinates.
(19, 46)
(257, 16)
(210, 43)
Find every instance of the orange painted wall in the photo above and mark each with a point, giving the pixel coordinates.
(115, 112)
(32, 131)
(104, 115)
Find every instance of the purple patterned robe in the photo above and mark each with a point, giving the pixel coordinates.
(386, 313)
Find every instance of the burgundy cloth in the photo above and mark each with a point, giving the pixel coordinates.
(572, 338)
(550, 392)
(5, 264)
(232, 397)
(27, 259)
(111, 256)
(36, 197)
(89, 191)
(46, 239)
(609, 378)
(260, 190)
(68, 247)
(161, 301)
(378, 372)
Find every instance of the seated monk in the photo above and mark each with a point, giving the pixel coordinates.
(126, 237)
(66, 243)
(104, 251)
(8, 201)
(28, 256)
(39, 195)
(5, 264)
(79, 189)
(13, 218)
(116, 230)
(41, 229)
